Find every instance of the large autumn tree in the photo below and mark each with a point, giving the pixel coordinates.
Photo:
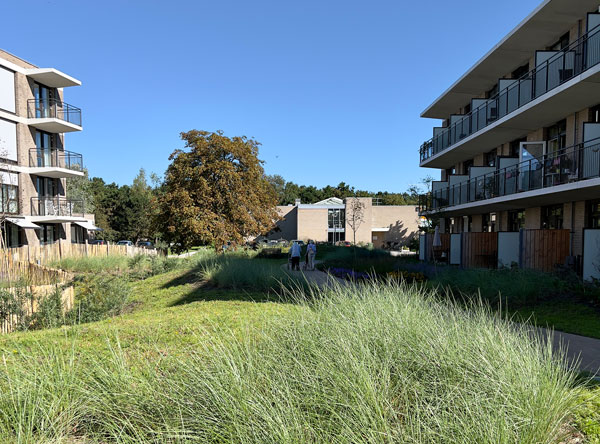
(215, 191)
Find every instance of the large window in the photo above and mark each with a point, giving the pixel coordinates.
(11, 234)
(593, 214)
(337, 236)
(77, 234)
(516, 220)
(336, 218)
(488, 222)
(48, 234)
(9, 200)
(557, 137)
(552, 217)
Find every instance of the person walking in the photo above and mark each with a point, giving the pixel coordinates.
(295, 254)
(311, 252)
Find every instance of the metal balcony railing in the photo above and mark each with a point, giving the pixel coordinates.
(56, 206)
(572, 164)
(54, 157)
(571, 61)
(53, 108)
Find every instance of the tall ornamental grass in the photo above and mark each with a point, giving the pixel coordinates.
(357, 364)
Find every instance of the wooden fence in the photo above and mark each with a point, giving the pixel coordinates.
(444, 248)
(30, 273)
(45, 254)
(479, 250)
(544, 250)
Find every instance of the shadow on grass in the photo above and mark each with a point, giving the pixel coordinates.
(205, 292)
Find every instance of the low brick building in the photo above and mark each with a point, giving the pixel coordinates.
(330, 221)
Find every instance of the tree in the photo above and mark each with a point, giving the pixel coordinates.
(355, 215)
(216, 192)
(79, 188)
(278, 184)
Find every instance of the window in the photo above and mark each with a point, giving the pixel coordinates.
(490, 158)
(9, 199)
(488, 222)
(593, 214)
(556, 136)
(594, 116)
(11, 234)
(467, 164)
(552, 217)
(515, 147)
(47, 187)
(77, 234)
(516, 220)
(44, 143)
(336, 218)
(492, 92)
(450, 172)
(48, 234)
(467, 224)
(562, 43)
(336, 237)
(520, 71)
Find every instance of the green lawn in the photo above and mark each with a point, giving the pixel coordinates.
(168, 313)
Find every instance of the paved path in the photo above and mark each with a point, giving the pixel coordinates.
(316, 277)
(579, 348)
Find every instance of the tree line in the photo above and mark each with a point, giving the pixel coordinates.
(215, 191)
(288, 192)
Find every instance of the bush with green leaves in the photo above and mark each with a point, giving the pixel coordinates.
(98, 297)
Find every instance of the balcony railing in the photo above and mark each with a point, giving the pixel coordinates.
(53, 108)
(56, 158)
(56, 206)
(571, 61)
(572, 164)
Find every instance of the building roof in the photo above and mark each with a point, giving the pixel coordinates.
(541, 28)
(330, 201)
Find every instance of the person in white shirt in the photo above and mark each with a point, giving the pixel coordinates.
(311, 252)
(295, 254)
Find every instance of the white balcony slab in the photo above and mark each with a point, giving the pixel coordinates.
(53, 125)
(52, 77)
(55, 219)
(53, 172)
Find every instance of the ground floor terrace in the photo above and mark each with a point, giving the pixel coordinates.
(545, 236)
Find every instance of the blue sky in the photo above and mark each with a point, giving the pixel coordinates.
(332, 89)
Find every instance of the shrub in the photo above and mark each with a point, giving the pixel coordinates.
(98, 297)
(50, 311)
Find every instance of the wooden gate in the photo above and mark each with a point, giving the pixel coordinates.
(544, 249)
(480, 250)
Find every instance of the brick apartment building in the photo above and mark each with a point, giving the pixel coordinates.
(519, 140)
(34, 163)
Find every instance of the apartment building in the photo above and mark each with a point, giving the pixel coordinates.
(519, 143)
(34, 164)
(330, 220)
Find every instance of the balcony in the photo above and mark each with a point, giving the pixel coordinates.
(515, 94)
(56, 209)
(53, 115)
(55, 163)
(572, 173)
